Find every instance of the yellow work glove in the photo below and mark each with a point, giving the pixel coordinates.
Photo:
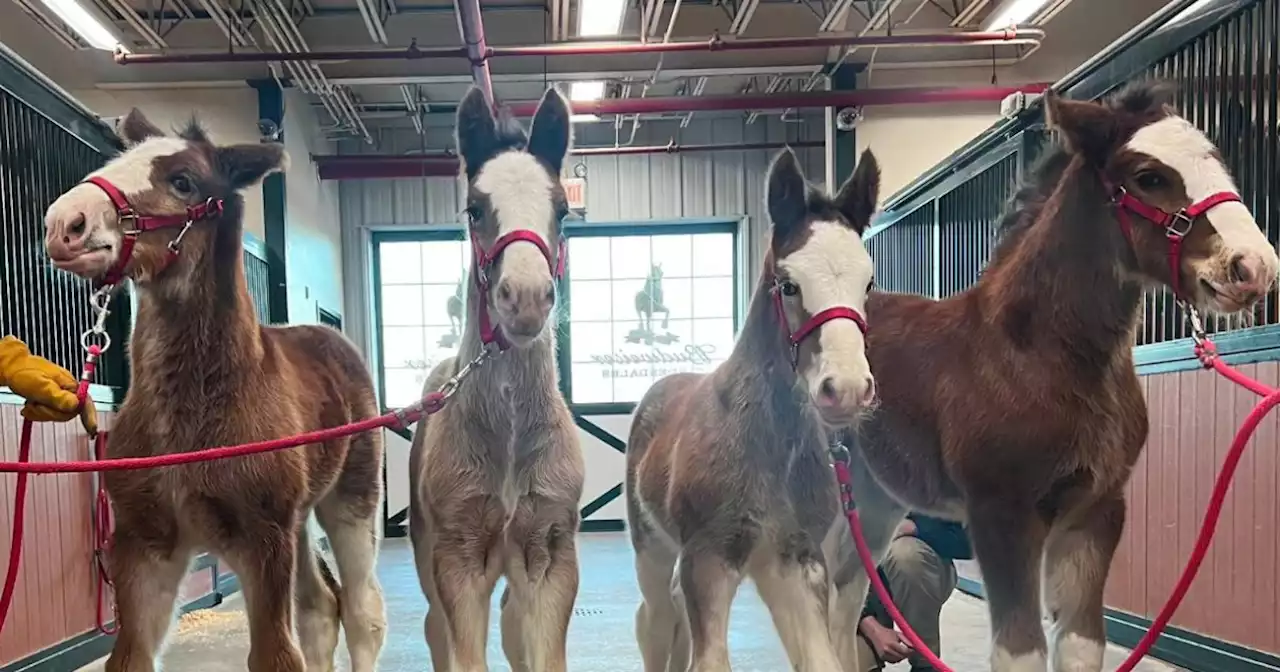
(49, 389)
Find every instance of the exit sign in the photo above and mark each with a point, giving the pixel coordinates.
(575, 192)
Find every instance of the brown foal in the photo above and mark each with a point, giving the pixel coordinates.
(167, 214)
(1014, 405)
(727, 473)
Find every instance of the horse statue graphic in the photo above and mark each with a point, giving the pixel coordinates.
(649, 301)
(453, 307)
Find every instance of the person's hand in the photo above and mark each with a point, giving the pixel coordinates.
(906, 529)
(49, 389)
(886, 642)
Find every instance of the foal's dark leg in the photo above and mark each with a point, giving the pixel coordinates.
(708, 582)
(1077, 558)
(147, 574)
(1009, 540)
(264, 557)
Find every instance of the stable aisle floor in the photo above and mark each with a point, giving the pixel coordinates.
(601, 635)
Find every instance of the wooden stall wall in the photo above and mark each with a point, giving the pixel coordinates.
(1194, 415)
(55, 604)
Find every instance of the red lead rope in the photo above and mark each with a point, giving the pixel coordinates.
(1208, 355)
(431, 403)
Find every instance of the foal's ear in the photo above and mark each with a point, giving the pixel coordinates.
(859, 194)
(551, 132)
(136, 128)
(477, 131)
(1088, 128)
(788, 194)
(245, 165)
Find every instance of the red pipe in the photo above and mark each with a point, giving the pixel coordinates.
(773, 101)
(471, 28)
(381, 166)
(480, 52)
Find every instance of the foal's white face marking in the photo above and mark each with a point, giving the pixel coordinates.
(519, 191)
(1178, 144)
(833, 269)
(131, 174)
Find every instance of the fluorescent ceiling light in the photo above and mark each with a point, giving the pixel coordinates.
(583, 118)
(1013, 13)
(598, 18)
(93, 30)
(586, 91)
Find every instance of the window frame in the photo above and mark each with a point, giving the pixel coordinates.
(676, 227)
(376, 239)
(736, 227)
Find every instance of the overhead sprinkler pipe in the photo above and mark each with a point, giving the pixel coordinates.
(773, 101)
(479, 53)
(384, 166)
(471, 27)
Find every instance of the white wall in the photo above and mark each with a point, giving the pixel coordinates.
(313, 233)
(908, 140)
(230, 115)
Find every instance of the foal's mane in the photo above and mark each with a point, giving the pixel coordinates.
(1135, 105)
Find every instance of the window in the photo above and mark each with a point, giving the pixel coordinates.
(645, 306)
(421, 295)
(639, 303)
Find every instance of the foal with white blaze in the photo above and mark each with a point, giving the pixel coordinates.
(168, 215)
(1015, 405)
(497, 475)
(727, 473)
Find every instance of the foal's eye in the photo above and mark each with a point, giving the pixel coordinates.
(182, 185)
(790, 288)
(474, 213)
(1151, 180)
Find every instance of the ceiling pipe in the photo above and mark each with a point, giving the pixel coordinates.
(772, 101)
(384, 166)
(471, 27)
(479, 53)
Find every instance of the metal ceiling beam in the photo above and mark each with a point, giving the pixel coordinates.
(969, 14)
(371, 14)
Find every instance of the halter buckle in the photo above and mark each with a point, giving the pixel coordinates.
(1173, 231)
(129, 221)
(1118, 194)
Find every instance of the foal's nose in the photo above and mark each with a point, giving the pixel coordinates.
(65, 237)
(1249, 273)
(526, 304)
(835, 394)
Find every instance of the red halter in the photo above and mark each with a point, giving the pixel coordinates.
(143, 223)
(490, 333)
(1176, 225)
(811, 325)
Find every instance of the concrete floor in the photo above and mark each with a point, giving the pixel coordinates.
(601, 633)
